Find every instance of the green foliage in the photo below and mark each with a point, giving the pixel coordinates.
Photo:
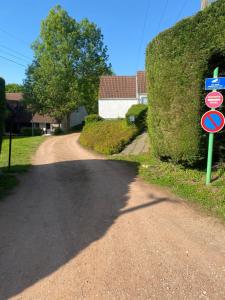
(13, 88)
(139, 112)
(107, 137)
(58, 131)
(27, 131)
(2, 109)
(69, 58)
(177, 62)
(92, 118)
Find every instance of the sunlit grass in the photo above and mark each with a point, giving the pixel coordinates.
(22, 150)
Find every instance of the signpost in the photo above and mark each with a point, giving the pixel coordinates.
(213, 120)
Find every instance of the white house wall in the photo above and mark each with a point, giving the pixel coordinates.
(115, 108)
(77, 116)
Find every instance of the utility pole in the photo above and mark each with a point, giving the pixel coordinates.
(204, 4)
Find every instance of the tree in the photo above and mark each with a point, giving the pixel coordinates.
(2, 110)
(69, 58)
(13, 88)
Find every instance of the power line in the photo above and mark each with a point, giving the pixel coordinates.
(17, 52)
(13, 61)
(181, 10)
(143, 31)
(163, 14)
(14, 36)
(17, 57)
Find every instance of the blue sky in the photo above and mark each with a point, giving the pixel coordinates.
(127, 26)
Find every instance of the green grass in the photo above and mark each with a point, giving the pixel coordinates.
(107, 137)
(22, 150)
(188, 184)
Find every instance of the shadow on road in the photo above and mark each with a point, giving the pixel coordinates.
(57, 211)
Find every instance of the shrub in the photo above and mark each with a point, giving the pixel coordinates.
(77, 128)
(58, 131)
(27, 131)
(138, 112)
(92, 118)
(107, 137)
(2, 110)
(177, 62)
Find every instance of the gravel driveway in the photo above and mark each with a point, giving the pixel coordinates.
(80, 226)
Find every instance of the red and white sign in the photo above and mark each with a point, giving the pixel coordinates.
(213, 121)
(214, 99)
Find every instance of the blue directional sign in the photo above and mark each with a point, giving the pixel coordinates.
(215, 83)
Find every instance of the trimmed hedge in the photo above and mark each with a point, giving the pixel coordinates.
(58, 131)
(2, 110)
(139, 112)
(107, 137)
(92, 118)
(177, 62)
(27, 131)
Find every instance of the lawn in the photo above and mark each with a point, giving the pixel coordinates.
(22, 150)
(189, 184)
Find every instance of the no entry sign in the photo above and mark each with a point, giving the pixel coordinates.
(213, 121)
(214, 99)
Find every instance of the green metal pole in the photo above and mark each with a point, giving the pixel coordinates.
(211, 141)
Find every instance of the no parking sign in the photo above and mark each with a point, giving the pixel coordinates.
(213, 121)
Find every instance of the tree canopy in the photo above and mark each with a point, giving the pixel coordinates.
(13, 88)
(69, 58)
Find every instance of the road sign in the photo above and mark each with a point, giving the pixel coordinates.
(214, 99)
(213, 121)
(215, 83)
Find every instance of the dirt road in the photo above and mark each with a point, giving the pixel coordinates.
(83, 227)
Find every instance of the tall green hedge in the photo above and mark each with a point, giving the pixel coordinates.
(2, 110)
(177, 62)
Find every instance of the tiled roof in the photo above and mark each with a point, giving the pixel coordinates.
(141, 82)
(24, 115)
(43, 119)
(14, 96)
(117, 87)
(122, 87)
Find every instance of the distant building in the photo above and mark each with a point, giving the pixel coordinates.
(118, 93)
(24, 118)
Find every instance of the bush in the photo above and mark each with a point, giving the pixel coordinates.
(177, 62)
(92, 118)
(139, 113)
(107, 137)
(58, 131)
(27, 131)
(2, 110)
(77, 128)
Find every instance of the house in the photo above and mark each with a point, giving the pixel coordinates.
(75, 118)
(25, 118)
(118, 93)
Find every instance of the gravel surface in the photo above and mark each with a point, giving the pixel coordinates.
(80, 226)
